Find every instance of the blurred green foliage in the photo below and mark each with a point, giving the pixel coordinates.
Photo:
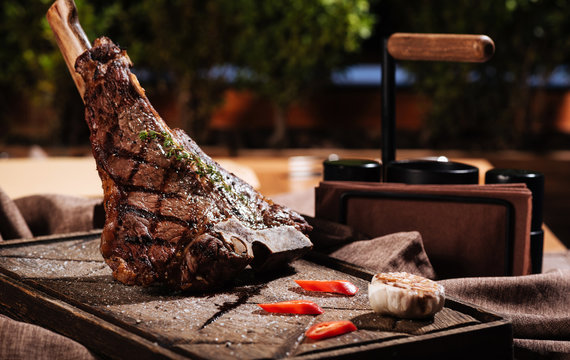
(281, 48)
(489, 105)
(284, 49)
(33, 74)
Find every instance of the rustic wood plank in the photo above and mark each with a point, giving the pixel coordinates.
(99, 336)
(222, 324)
(58, 238)
(31, 268)
(73, 250)
(481, 341)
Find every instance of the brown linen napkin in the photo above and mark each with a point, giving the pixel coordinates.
(402, 251)
(537, 305)
(468, 230)
(26, 341)
(12, 223)
(48, 214)
(58, 214)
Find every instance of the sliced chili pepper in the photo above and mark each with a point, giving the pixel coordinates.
(329, 329)
(335, 286)
(293, 307)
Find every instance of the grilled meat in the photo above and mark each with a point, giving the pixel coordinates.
(173, 215)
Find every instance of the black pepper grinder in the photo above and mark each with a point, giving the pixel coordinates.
(535, 183)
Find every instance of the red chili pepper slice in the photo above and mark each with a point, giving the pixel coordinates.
(293, 307)
(329, 329)
(335, 286)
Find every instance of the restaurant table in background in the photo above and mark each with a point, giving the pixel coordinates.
(76, 176)
(271, 174)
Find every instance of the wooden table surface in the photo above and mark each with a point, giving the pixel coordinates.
(269, 173)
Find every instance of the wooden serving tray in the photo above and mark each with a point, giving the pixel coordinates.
(63, 284)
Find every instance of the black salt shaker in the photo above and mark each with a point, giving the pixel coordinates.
(535, 183)
(352, 170)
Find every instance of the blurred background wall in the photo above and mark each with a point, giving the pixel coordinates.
(301, 73)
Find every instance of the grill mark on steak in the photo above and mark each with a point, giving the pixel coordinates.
(165, 178)
(173, 215)
(145, 214)
(138, 161)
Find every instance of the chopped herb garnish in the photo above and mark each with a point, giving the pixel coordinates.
(202, 169)
(146, 134)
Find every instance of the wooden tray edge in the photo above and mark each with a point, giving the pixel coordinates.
(28, 303)
(491, 322)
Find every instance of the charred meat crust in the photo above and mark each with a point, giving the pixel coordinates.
(163, 195)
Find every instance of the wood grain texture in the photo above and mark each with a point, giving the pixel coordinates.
(70, 37)
(66, 287)
(441, 47)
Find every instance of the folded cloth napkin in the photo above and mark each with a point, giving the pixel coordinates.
(12, 223)
(403, 251)
(48, 214)
(538, 306)
(26, 341)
